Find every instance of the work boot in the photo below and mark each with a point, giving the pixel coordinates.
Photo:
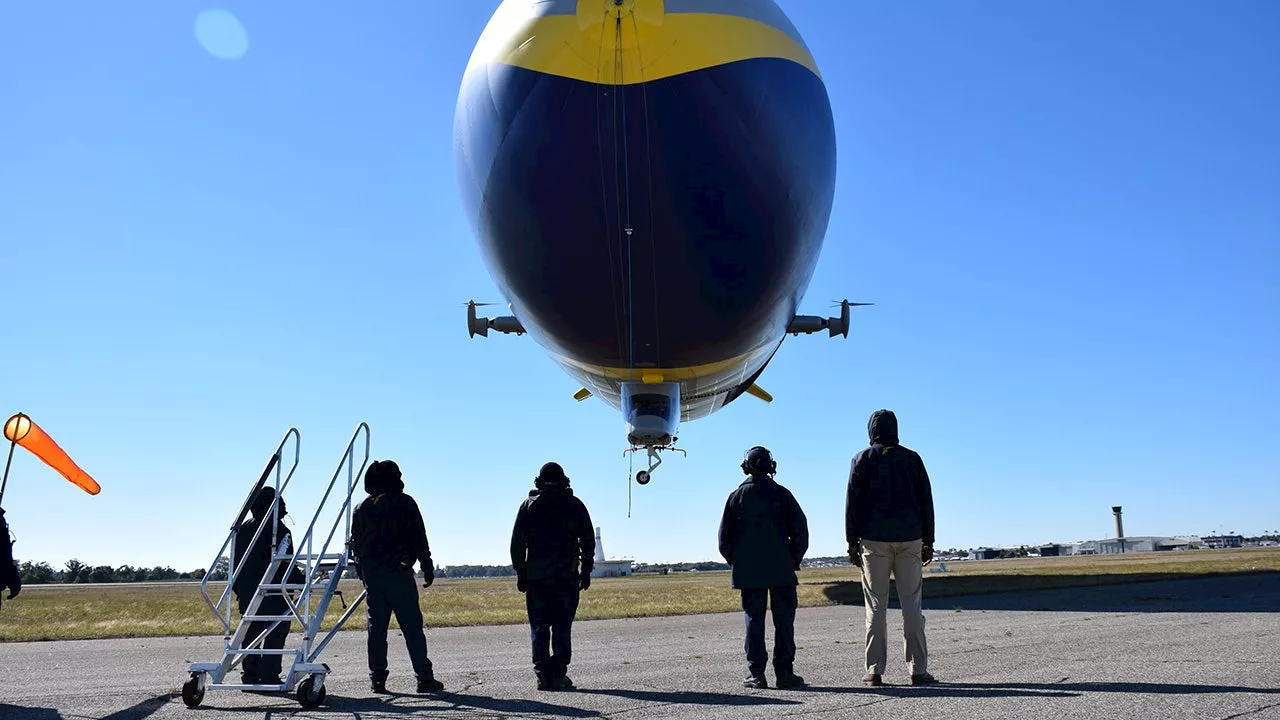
(789, 680)
(756, 682)
(562, 682)
(251, 680)
(544, 683)
(378, 686)
(872, 679)
(923, 679)
(430, 685)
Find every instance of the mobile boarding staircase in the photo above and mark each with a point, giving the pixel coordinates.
(307, 601)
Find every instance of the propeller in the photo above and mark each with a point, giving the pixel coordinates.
(841, 326)
(475, 326)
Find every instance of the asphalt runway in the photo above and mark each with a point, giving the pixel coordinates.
(1204, 649)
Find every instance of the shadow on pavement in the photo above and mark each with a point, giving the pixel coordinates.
(1062, 689)
(141, 711)
(1143, 688)
(1137, 592)
(683, 697)
(448, 702)
(1005, 690)
(17, 712)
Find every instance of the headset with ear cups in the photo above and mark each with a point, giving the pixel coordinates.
(763, 461)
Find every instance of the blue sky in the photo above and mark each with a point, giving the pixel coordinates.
(1068, 216)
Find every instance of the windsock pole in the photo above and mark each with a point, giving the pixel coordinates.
(7, 463)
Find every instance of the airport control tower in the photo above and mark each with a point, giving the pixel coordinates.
(608, 568)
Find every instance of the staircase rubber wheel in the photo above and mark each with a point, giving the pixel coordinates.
(308, 698)
(192, 693)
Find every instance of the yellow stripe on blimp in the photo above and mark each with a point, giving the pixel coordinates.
(677, 43)
(667, 374)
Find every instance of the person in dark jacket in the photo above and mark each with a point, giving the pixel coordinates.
(889, 527)
(9, 576)
(387, 538)
(764, 535)
(252, 563)
(553, 553)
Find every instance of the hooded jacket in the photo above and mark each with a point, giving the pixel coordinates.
(889, 498)
(253, 562)
(764, 534)
(553, 539)
(9, 575)
(387, 532)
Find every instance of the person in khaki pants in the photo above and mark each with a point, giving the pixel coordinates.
(889, 527)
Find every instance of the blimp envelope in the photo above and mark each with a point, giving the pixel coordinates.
(22, 430)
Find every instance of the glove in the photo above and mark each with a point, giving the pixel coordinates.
(855, 553)
(584, 581)
(926, 554)
(520, 583)
(428, 578)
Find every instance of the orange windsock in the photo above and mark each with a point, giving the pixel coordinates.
(21, 430)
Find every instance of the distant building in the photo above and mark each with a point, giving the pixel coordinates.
(1111, 546)
(1115, 546)
(612, 568)
(1217, 542)
(608, 568)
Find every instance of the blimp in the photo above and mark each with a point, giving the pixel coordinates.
(650, 183)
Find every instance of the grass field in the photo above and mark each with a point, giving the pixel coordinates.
(65, 612)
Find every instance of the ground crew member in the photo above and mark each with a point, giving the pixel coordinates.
(252, 564)
(553, 552)
(387, 538)
(889, 527)
(764, 535)
(9, 576)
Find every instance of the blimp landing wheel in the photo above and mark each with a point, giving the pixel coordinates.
(642, 477)
(192, 693)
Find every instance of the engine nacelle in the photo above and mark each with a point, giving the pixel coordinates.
(652, 412)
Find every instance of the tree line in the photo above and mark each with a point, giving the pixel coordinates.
(75, 571)
(475, 571)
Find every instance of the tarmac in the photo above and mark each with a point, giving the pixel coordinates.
(1204, 649)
